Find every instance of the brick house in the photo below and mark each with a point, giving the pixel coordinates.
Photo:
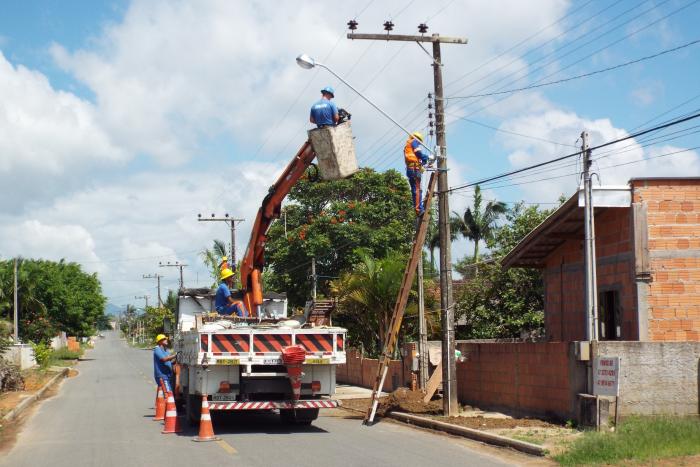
(647, 257)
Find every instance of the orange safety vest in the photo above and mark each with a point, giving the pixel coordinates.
(409, 156)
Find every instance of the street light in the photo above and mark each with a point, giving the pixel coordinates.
(308, 63)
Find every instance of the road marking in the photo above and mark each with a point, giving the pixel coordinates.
(226, 447)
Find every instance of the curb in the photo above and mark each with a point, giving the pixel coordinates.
(478, 435)
(25, 403)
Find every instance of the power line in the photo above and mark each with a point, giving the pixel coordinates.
(568, 156)
(584, 75)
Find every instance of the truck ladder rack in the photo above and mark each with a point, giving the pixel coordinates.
(400, 306)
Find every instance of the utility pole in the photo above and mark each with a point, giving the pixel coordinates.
(422, 330)
(314, 277)
(176, 265)
(16, 305)
(590, 255)
(232, 223)
(144, 297)
(449, 368)
(156, 277)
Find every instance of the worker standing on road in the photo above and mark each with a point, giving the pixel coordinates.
(416, 158)
(325, 112)
(162, 363)
(225, 304)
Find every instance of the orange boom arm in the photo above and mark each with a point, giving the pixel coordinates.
(254, 259)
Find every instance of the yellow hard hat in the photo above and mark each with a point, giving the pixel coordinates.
(226, 273)
(418, 135)
(160, 337)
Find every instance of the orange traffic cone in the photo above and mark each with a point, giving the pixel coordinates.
(172, 423)
(160, 405)
(206, 430)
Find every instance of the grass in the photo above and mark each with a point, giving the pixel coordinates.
(64, 357)
(637, 439)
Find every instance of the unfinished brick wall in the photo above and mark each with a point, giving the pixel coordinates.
(360, 371)
(520, 378)
(564, 278)
(672, 293)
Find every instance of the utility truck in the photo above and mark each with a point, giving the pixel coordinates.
(244, 363)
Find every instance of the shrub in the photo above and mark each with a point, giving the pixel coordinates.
(42, 354)
(65, 354)
(10, 377)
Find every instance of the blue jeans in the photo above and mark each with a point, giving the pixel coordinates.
(166, 382)
(237, 309)
(414, 178)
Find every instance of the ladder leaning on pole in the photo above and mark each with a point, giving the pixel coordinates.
(400, 306)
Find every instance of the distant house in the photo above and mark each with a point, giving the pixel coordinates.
(647, 259)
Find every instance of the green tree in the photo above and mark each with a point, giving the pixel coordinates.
(479, 224)
(366, 298)
(212, 257)
(497, 302)
(332, 221)
(53, 296)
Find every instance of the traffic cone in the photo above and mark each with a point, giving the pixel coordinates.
(172, 423)
(293, 357)
(206, 430)
(160, 405)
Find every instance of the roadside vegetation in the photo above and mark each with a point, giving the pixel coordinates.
(140, 326)
(643, 439)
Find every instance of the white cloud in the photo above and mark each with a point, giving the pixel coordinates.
(48, 138)
(615, 164)
(647, 94)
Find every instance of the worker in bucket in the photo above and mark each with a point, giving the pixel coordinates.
(325, 112)
(416, 158)
(224, 302)
(162, 363)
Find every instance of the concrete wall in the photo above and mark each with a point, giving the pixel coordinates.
(671, 295)
(564, 278)
(21, 355)
(656, 377)
(360, 371)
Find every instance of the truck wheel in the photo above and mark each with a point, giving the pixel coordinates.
(298, 416)
(193, 408)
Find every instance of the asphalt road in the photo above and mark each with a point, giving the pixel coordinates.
(102, 418)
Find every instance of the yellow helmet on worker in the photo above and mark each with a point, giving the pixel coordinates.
(418, 135)
(160, 337)
(226, 273)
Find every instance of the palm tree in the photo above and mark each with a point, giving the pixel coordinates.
(367, 296)
(212, 258)
(479, 224)
(432, 236)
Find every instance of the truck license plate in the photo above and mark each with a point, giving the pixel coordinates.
(228, 361)
(223, 397)
(317, 361)
(272, 361)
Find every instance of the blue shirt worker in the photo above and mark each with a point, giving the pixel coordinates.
(415, 158)
(325, 112)
(162, 363)
(224, 303)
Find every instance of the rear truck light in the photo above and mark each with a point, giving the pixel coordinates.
(315, 386)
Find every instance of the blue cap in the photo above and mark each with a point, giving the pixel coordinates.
(329, 90)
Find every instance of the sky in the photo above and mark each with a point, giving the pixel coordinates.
(121, 120)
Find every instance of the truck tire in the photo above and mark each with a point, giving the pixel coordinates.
(193, 408)
(298, 416)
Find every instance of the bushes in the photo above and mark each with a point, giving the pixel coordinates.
(10, 377)
(66, 354)
(42, 354)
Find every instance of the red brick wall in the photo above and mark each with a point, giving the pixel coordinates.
(564, 279)
(361, 371)
(520, 377)
(673, 223)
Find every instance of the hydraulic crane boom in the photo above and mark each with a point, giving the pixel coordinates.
(254, 259)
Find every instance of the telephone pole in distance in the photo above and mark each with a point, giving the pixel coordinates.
(232, 223)
(157, 277)
(449, 368)
(176, 265)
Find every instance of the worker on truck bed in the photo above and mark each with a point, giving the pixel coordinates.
(325, 112)
(162, 363)
(225, 304)
(416, 158)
